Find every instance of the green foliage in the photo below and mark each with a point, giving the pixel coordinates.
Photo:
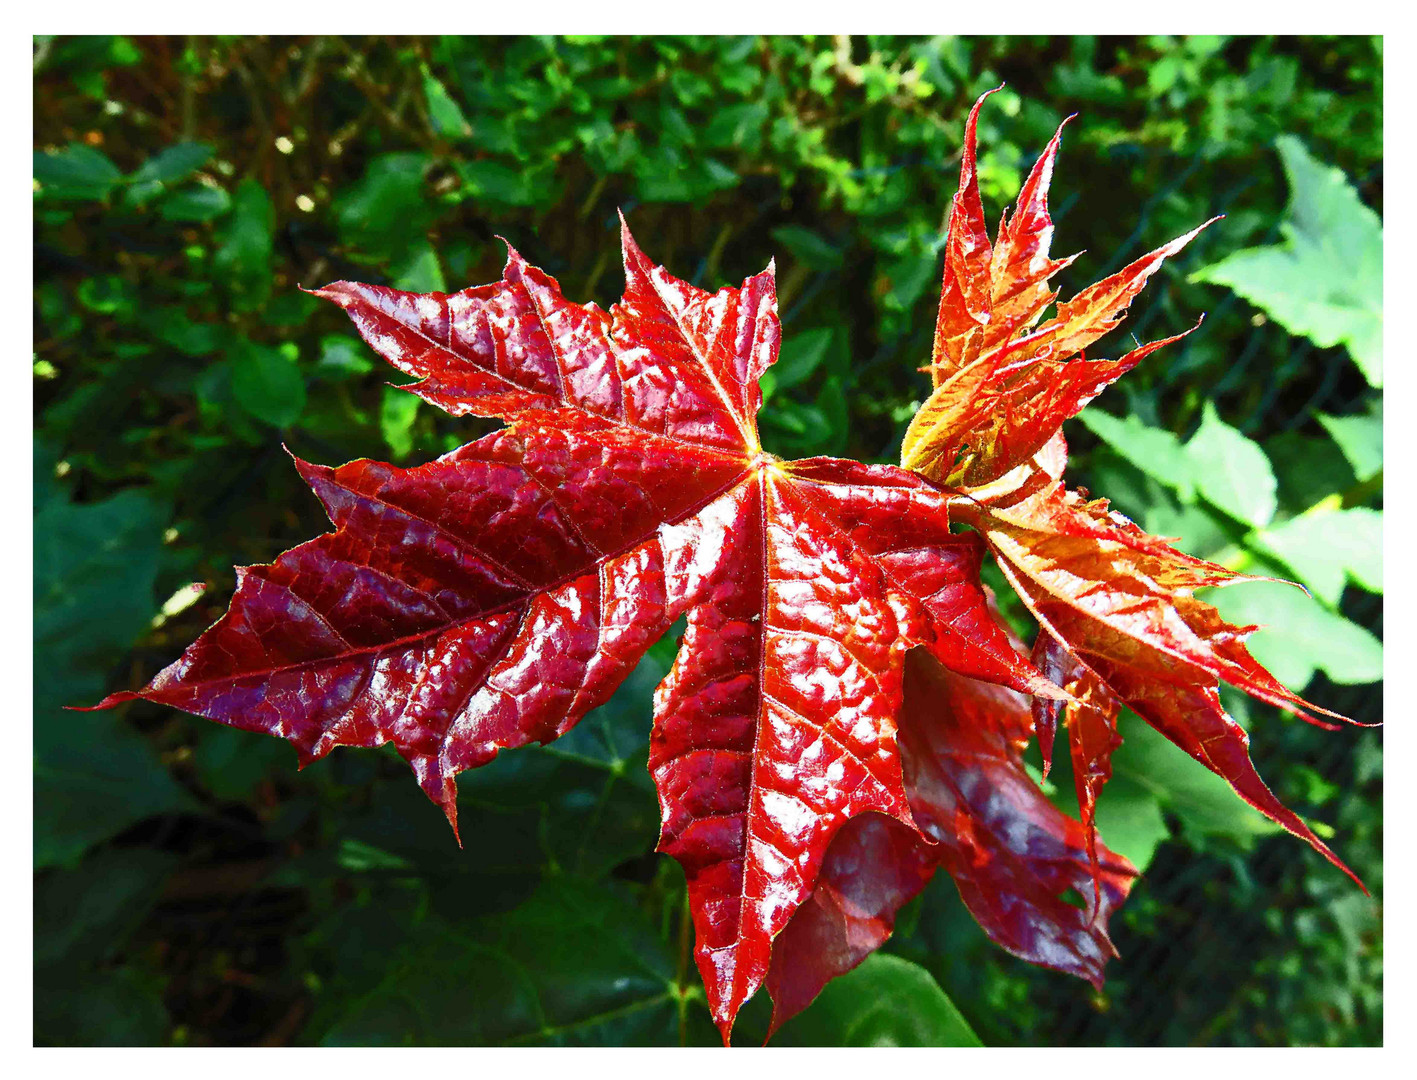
(1326, 280)
(1327, 546)
(95, 567)
(192, 888)
(886, 1001)
(1360, 438)
(74, 173)
(1300, 636)
(1231, 472)
(574, 964)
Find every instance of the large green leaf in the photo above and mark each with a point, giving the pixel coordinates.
(385, 212)
(267, 383)
(1309, 469)
(95, 570)
(419, 270)
(1129, 818)
(84, 916)
(93, 777)
(886, 1001)
(808, 247)
(1299, 635)
(444, 114)
(115, 1007)
(1202, 802)
(1231, 471)
(165, 168)
(591, 788)
(802, 354)
(1329, 547)
(1325, 281)
(1155, 451)
(577, 964)
(195, 202)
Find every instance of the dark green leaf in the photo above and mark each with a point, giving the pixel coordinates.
(196, 202)
(808, 247)
(576, 965)
(76, 173)
(247, 244)
(267, 384)
(165, 168)
(886, 1001)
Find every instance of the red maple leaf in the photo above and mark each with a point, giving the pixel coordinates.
(493, 597)
(846, 713)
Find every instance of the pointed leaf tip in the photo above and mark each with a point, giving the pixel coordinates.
(514, 257)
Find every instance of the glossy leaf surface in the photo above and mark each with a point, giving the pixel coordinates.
(1013, 855)
(493, 597)
(1002, 387)
(1119, 619)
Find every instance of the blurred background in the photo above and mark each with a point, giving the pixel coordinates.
(192, 888)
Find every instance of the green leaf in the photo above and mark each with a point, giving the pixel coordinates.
(343, 357)
(384, 211)
(494, 181)
(1325, 281)
(93, 776)
(231, 762)
(1232, 472)
(172, 325)
(802, 354)
(797, 429)
(247, 245)
(267, 384)
(1129, 812)
(908, 277)
(1149, 763)
(108, 294)
(165, 168)
(76, 173)
(1129, 820)
(1155, 451)
(1309, 469)
(444, 113)
(808, 247)
(739, 126)
(577, 964)
(396, 416)
(291, 309)
(122, 1007)
(885, 1001)
(94, 574)
(420, 270)
(196, 202)
(1299, 635)
(591, 787)
(82, 925)
(1327, 547)
(1360, 438)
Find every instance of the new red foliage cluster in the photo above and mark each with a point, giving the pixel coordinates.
(847, 713)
